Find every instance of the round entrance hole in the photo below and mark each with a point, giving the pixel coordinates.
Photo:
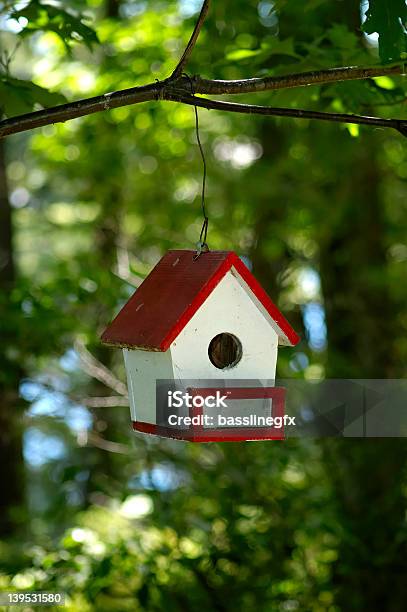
(225, 351)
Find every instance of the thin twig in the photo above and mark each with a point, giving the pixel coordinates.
(192, 41)
(95, 439)
(123, 270)
(110, 401)
(98, 370)
(251, 109)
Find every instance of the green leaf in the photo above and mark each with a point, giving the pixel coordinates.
(388, 18)
(240, 54)
(353, 129)
(385, 82)
(358, 95)
(18, 96)
(49, 18)
(342, 37)
(278, 47)
(283, 47)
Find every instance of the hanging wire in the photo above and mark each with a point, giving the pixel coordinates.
(202, 246)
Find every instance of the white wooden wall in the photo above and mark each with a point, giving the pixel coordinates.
(230, 309)
(143, 369)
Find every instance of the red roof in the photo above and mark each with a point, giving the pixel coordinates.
(172, 293)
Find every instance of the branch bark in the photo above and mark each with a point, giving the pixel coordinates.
(73, 110)
(177, 88)
(302, 79)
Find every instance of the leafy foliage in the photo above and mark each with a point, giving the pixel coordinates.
(389, 20)
(18, 96)
(53, 18)
(283, 47)
(156, 550)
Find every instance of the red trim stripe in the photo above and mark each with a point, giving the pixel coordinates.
(218, 435)
(197, 433)
(265, 300)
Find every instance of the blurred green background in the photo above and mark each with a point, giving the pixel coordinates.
(128, 522)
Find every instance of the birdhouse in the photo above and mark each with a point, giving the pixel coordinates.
(200, 338)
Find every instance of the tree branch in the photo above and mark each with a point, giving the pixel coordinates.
(177, 92)
(252, 109)
(98, 370)
(192, 41)
(95, 439)
(73, 110)
(177, 88)
(110, 401)
(302, 79)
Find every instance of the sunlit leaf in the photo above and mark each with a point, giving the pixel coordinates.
(240, 54)
(277, 47)
(353, 129)
(388, 19)
(18, 96)
(53, 18)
